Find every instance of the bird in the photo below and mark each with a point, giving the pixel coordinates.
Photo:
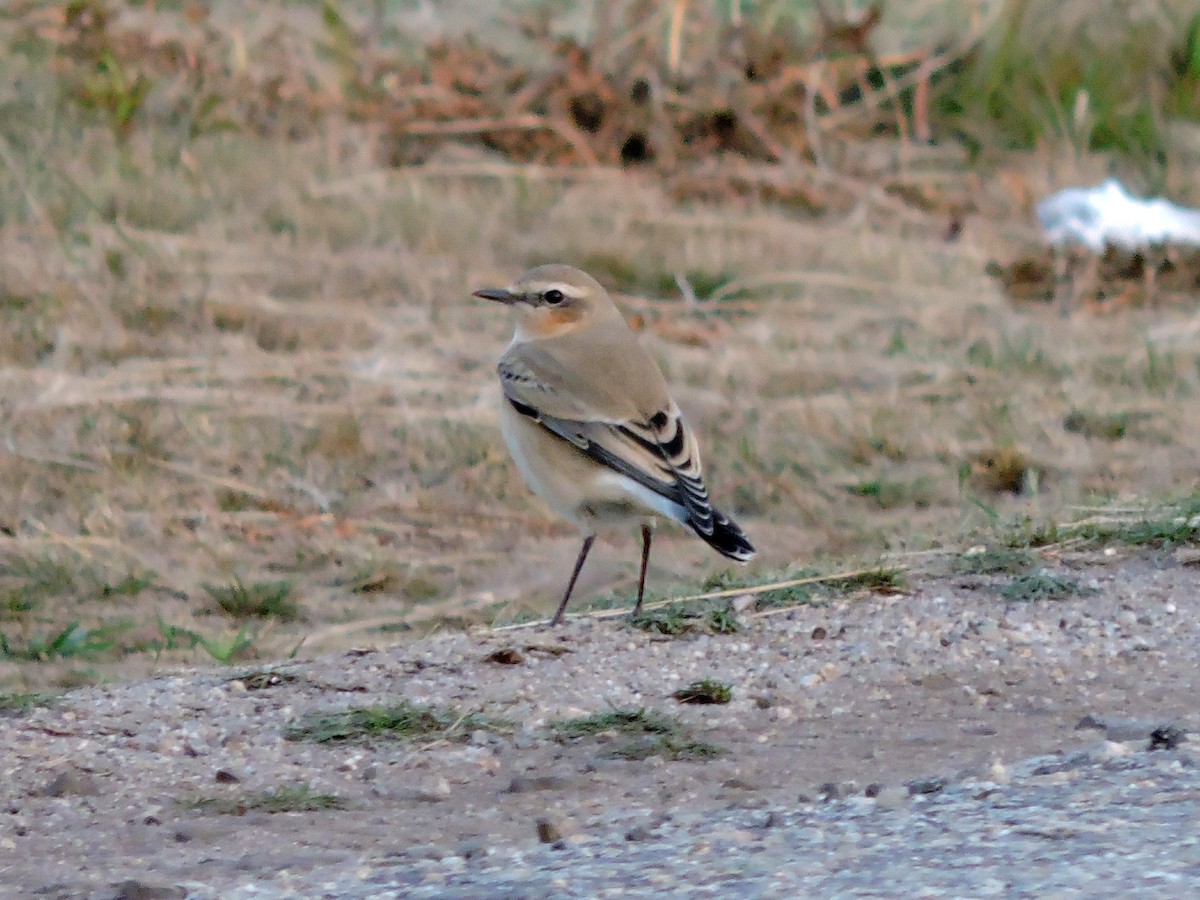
(589, 421)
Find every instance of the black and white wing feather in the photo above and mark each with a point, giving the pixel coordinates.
(658, 452)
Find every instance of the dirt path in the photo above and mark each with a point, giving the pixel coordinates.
(165, 782)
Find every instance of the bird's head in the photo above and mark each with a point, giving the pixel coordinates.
(553, 300)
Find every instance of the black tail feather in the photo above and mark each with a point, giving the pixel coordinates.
(727, 538)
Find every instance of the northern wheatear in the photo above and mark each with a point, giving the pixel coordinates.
(588, 420)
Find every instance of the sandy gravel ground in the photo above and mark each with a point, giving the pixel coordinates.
(874, 743)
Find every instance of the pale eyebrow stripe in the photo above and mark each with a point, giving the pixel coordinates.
(569, 290)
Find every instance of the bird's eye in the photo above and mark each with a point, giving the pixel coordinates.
(553, 296)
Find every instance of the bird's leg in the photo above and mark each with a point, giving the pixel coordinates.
(583, 552)
(646, 534)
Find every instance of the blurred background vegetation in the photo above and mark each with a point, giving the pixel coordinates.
(246, 403)
(996, 75)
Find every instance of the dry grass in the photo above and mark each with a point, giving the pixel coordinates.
(243, 359)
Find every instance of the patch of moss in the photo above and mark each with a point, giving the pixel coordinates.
(403, 721)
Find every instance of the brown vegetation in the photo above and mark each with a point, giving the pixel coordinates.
(238, 349)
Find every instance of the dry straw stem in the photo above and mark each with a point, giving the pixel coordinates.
(811, 278)
(711, 595)
(89, 548)
(529, 122)
(376, 180)
(925, 70)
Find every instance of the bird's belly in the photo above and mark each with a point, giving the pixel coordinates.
(571, 484)
(615, 496)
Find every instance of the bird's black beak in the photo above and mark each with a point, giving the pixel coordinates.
(500, 295)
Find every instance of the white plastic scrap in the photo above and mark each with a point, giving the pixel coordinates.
(1108, 214)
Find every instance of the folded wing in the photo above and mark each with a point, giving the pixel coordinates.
(657, 451)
